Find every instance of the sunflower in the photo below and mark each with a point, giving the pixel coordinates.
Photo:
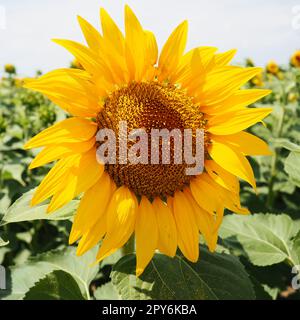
(258, 80)
(124, 79)
(10, 69)
(272, 67)
(295, 59)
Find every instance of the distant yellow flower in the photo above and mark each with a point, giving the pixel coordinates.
(258, 80)
(10, 68)
(295, 59)
(292, 97)
(249, 63)
(124, 79)
(272, 67)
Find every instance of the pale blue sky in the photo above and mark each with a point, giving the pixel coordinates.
(262, 30)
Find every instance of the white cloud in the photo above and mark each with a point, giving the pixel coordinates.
(258, 29)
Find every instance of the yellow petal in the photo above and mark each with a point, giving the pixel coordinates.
(146, 233)
(229, 158)
(218, 222)
(113, 48)
(246, 143)
(92, 36)
(88, 59)
(221, 83)
(71, 89)
(205, 221)
(81, 176)
(230, 200)
(152, 48)
(193, 66)
(92, 236)
(222, 59)
(71, 130)
(205, 194)
(196, 74)
(92, 207)
(167, 241)
(121, 216)
(173, 51)
(136, 46)
(221, 176)
(237, 101)
(233, 122)
(187, 229)
(111, 32)
(54, 152)
(52, 182)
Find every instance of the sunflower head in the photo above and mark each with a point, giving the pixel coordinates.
(295, 59)
(258, 80)
(272, 67)
(10, 69)
(124, 79)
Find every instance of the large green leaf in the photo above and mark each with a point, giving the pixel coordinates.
(215, 276)
(57, 285)
(21, 210)
(292, 167)
(23, 277)
(106, 292)
(265, 239)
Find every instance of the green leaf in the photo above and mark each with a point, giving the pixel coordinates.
(13, 171)
(215, 276)
(21, 210)
(266, 239)
(57, 285)
(292, 167)
(3, 243)
(296, 251)
(23, 277)
(286, 144)
(261, 292)
(106, 292)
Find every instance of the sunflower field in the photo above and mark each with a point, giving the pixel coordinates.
(257, 255)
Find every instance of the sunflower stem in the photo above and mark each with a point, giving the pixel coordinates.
(128, 248)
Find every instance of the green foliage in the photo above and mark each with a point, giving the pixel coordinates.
(265, 239)
(21, 210)
(215, 276)
(292, 167)
(23, 277)
(3, 243)
(106, 292)
(57, 285)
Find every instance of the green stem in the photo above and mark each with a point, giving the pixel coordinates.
(128, 247)
(278, 133)
(87, 291)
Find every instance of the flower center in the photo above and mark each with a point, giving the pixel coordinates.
(150, 106)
